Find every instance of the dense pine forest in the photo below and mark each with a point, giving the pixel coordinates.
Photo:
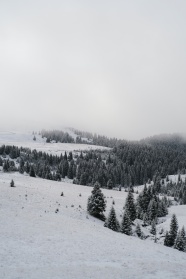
(127, 164)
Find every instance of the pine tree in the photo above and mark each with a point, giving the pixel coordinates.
(179, 242)
(12, 184)
(138, 230)
(126, 227)
(130, 206)
(145, 220)
(167, 239)
(153, 228)
(96, 202)
(112, 222)
(32, 172)
(109, 184)
(173, 230)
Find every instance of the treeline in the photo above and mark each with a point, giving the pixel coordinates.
(133, 164)
(81, 138)
(125, 165)
(57, 136)
(96, 139)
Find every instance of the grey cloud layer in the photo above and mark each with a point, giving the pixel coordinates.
(113, 67)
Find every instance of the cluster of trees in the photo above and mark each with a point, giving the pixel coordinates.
(95, 139)
(176, 189)
(148, 208)
(131, 164)
(175, 238)
(37, 163)
(151, 207)
(125, 165)
(57, 136)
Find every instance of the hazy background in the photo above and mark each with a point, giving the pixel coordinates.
(113, 67)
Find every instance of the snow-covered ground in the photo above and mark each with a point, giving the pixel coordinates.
(26, 140)
(36, 242)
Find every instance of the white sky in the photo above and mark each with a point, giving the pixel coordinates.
(111, 67)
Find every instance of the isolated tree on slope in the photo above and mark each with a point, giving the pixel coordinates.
(112, 222)
(96, 202)
(12, 183)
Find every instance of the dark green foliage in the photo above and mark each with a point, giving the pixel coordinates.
(32, 172)
(173, 230)
(96, 202)
(170, 236)
(130, 206)
(180, 242)
(58, 136)
(167, 239)
(112, 222)
(126, 227)
(110, 184)
(138, 231)
(12, 184)
(153, 228)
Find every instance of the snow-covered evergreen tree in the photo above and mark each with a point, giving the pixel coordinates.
(153, 228)
(112, 222)
(130, 206)
(110, 184)
(96, 202)
(173, 230)
(12, 184)
(138, 230)
(179, 242)
(126, 227)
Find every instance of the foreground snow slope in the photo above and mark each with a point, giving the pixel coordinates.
(37, 243)
(26, 140)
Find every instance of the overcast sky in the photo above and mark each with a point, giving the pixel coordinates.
(113, 67)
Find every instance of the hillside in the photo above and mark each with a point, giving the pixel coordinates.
(26, 140)
(36, 242)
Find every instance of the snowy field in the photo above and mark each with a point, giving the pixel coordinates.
(26, 140)
(37, 243)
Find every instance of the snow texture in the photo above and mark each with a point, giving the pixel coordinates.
(37, 241)
(26, 140)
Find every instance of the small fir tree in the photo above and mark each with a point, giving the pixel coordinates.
(138, 230)
(32, 172)
(12, 184)
(112, 222)
(179, 242)
(167, 239)
(109, 184)
(153, 228)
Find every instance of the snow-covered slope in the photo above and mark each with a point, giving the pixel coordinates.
(37, 243)
(26, 140)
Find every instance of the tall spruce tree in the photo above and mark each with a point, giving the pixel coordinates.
(130, 206)
(173, 230)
